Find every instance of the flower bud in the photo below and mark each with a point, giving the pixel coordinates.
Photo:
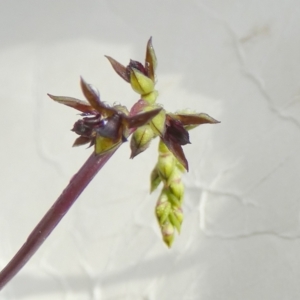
(175, 176)
(140, 140)
(168, 232)
(178, 214)
(162, 211)
(177, 189)
(174, 221)
(166, 165)
(155, 179)
(175, 202)
(140, 83)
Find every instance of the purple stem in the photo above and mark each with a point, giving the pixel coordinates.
(40, 233)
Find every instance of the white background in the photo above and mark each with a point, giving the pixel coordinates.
(237, 60)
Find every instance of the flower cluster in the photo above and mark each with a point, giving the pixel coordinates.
(102, 126)
(106, 128)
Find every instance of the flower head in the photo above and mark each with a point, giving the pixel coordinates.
(106, 128)
(103, 126)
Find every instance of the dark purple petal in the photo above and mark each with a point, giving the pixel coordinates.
(176, 149)
(142, 118)
(83, 129)
(93, 98)
(81, 141)
(136, 65)
(176, 132)
(119, 69)
(111, 127)
(195, 119)
(74, 103)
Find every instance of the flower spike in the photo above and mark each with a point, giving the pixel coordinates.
(107, 127)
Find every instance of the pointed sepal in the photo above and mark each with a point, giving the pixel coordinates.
(82, 140)
(193, 120)
(119, 69)
(176, 149)
(74, 103)
(93, 97)
(150, 61)
(143, 118)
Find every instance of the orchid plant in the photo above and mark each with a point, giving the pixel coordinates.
(106, 128)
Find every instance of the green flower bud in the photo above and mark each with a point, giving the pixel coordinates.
(140, 140)
(155, 179)
(175, 176)
(166, 165)
(168, 232)
(175, 202)
(162, 211)
(163, 197)
(140, 83)
(174, 221)
(177, 189)
(178, 214)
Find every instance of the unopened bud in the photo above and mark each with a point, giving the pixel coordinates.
(140, 140)
(177, 189)
(178, 213)
(174, 221)
(168, 232)
(154, 179)
(162, 211)
(140, 83)
(166, 165)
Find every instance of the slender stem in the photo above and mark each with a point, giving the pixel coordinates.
(39, 234)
